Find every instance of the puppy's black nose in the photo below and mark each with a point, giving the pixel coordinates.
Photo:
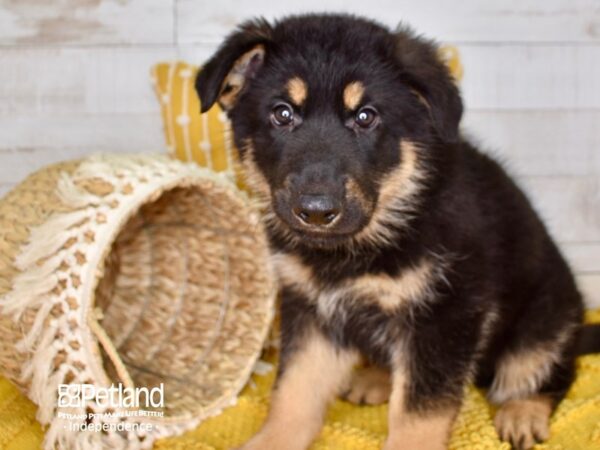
(317, 210)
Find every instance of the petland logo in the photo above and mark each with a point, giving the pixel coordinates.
(79, 395)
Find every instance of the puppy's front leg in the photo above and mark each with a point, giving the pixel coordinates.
(426, 429)
(312, 376)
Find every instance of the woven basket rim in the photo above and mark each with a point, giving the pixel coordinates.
(94, 344)
(88, 313)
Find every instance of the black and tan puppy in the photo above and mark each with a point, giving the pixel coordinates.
(396, 241)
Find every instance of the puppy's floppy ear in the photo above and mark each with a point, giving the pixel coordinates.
(430, 79)
(234, 64)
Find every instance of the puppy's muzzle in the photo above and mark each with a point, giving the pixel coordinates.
(317, 210)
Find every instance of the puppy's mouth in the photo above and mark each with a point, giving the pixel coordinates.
(321, 239)
(317, 241)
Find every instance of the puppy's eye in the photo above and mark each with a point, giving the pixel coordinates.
(366, 117)
(282, 114)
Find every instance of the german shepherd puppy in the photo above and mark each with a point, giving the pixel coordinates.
(396, 241)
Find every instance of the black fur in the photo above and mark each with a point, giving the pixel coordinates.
(469, 215)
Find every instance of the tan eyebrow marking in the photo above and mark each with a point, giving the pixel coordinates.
(353, 94)
(297, 90)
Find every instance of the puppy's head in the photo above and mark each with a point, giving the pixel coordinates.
(334, 117)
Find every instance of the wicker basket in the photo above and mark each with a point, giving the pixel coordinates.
(137, 270)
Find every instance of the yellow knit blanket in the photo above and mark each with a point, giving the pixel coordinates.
(575, 425)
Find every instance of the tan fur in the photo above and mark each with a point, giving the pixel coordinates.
(420, 431)
(369, 385)
(292, 272)
(235, 79)
(410, 430)
(355, 193)
(253, 175)
(397, 407)
(488, 325)
(397, 196)
(524, 422)
(297, 90)
(353, 94)
(521, 373)
(312, 378)
(411, 286)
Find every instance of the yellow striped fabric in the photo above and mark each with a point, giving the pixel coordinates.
(191, 136)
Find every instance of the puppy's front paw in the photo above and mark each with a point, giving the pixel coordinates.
(370, 386)
(523, 423)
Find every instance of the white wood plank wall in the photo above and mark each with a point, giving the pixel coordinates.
(74, 80)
